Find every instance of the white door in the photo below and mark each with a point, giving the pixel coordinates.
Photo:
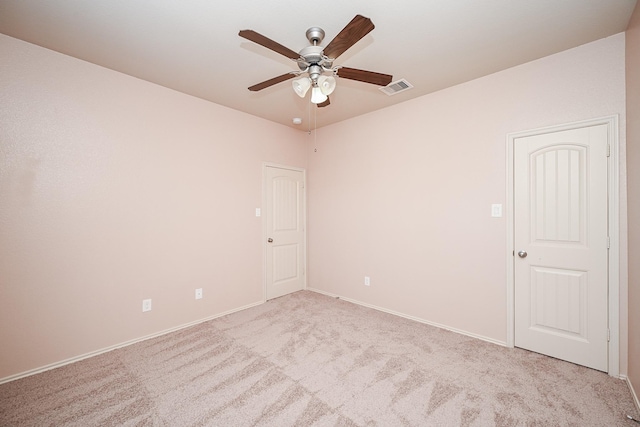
(561, 241)
(285, 250)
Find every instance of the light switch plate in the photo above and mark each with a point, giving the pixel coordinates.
(496, 210)
(258, 212)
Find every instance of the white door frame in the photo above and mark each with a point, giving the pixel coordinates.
(613, 224)
(266, 165)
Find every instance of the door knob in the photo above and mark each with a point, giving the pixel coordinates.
(522, 254)
(270, 240)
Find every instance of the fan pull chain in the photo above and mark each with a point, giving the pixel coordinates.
(309, 115)
(315, 130)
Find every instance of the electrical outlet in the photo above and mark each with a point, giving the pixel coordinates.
(146, 305)
(199, 293)
(367, 281)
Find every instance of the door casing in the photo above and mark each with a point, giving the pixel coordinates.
(613, 224)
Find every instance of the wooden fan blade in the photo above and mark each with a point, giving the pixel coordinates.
(268, 43)
(354, 31)
(265, 84)
(365, 76)
(325, 103)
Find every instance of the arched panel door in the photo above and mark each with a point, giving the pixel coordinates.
(561, 245)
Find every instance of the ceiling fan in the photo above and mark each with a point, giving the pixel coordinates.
(315, 61)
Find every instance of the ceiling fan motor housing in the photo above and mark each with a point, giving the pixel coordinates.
(312, 55)
(314, 59)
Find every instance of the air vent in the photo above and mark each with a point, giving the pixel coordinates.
(396, 87)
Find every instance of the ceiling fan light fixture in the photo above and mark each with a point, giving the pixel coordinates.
(317, 97)
(327, 84)
(301, 86)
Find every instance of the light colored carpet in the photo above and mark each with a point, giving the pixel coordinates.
(310, 360)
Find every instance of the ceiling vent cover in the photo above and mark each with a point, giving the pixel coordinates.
(396, 87)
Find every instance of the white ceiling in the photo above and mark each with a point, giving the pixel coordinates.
(193, 46)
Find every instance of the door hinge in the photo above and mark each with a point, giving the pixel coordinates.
(608, 335)
(608, 242)
(608, 150)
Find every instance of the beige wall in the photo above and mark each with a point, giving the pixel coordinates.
(113, 190)
(404, 195)
(633, 177)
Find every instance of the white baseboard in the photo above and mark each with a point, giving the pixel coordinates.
(633, 392)
(116, 346)
(417, 319)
